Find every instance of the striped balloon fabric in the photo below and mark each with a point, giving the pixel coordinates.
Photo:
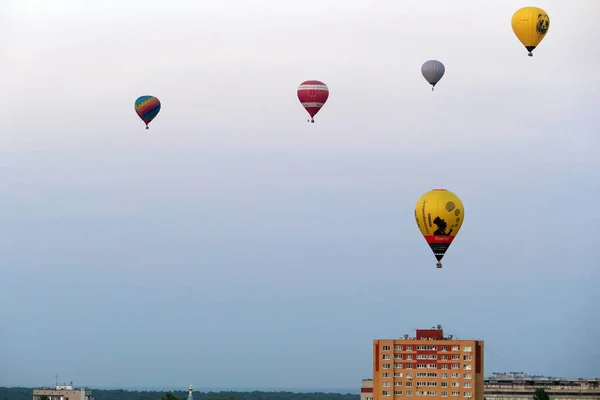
(147, 108)
(313, 95)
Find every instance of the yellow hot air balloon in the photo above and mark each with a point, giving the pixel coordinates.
(439, 214)
(530, 25)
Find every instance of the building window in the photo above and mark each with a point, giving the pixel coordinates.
(408, 348)
(409, 357)
(467, 385)
(386, 348)
(455, 366)
(455, 384)
(444, 394)
(444, 375)
(455, 393)
(467, 358)
(420, 384)
(422, 366)
(444, 348)
(432, 393)
(409, 393)
(455, 348)
(455, 375)
(432, 384)
(385, 393)
(420, 393)
(408, 384)
(467, 348)
(432, 374)
(467, 376)
(467, 367)
(444, 366)
(432, 366)
(409, 376)
(397, 374)
(467, 394)
(385, 356)
(444, 357)
(409, 366)
(386, 366)
(397, 392)
(397, 356)
(398, 347)
(456, 356)
(385, 374)
(397, 383)
(398, 365)
(444, 384)
(386, 384)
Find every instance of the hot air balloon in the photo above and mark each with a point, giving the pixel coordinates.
(313, 95)
(439, 214)
(147, 108)
(530, 25)
(433, 71)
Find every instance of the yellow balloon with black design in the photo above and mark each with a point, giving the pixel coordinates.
(530, 25)
(440, 215)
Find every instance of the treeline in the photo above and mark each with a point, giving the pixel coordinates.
(27, 394)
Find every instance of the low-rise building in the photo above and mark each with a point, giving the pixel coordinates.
(63, 392)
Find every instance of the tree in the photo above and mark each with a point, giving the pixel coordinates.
(540, 394)
(43, 397)
(171, 396)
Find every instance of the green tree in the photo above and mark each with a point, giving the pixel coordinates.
(44, 397)
(171, 396)
(540, 394)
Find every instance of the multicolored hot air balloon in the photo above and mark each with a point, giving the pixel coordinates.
(530, 25)
(313, 95)
(147, 108)
(439, 214)
(433, 71)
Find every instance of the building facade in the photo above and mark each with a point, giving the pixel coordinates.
(64, 392)
(366, 390)
(556, 389)
(428, 365)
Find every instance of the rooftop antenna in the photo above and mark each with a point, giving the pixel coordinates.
(57, 379)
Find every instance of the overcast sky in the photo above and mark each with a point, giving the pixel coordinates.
(237, 245)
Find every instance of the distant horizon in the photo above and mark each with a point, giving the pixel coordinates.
(213, 389)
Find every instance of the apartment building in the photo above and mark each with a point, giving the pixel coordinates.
(366, 389)
(429, 365)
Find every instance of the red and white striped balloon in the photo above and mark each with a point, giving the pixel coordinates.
(313, 95)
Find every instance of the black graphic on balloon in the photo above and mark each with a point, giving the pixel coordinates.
(441, 227)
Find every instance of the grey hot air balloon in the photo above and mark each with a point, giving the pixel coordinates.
(432, 71)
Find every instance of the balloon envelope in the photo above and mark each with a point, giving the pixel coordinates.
(530, 25)
(439, 214)
(313, 95)
(433, 71)
(147, 107)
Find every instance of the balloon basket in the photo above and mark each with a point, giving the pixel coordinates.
(438, 265)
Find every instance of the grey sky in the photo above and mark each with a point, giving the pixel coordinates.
(236, 245)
